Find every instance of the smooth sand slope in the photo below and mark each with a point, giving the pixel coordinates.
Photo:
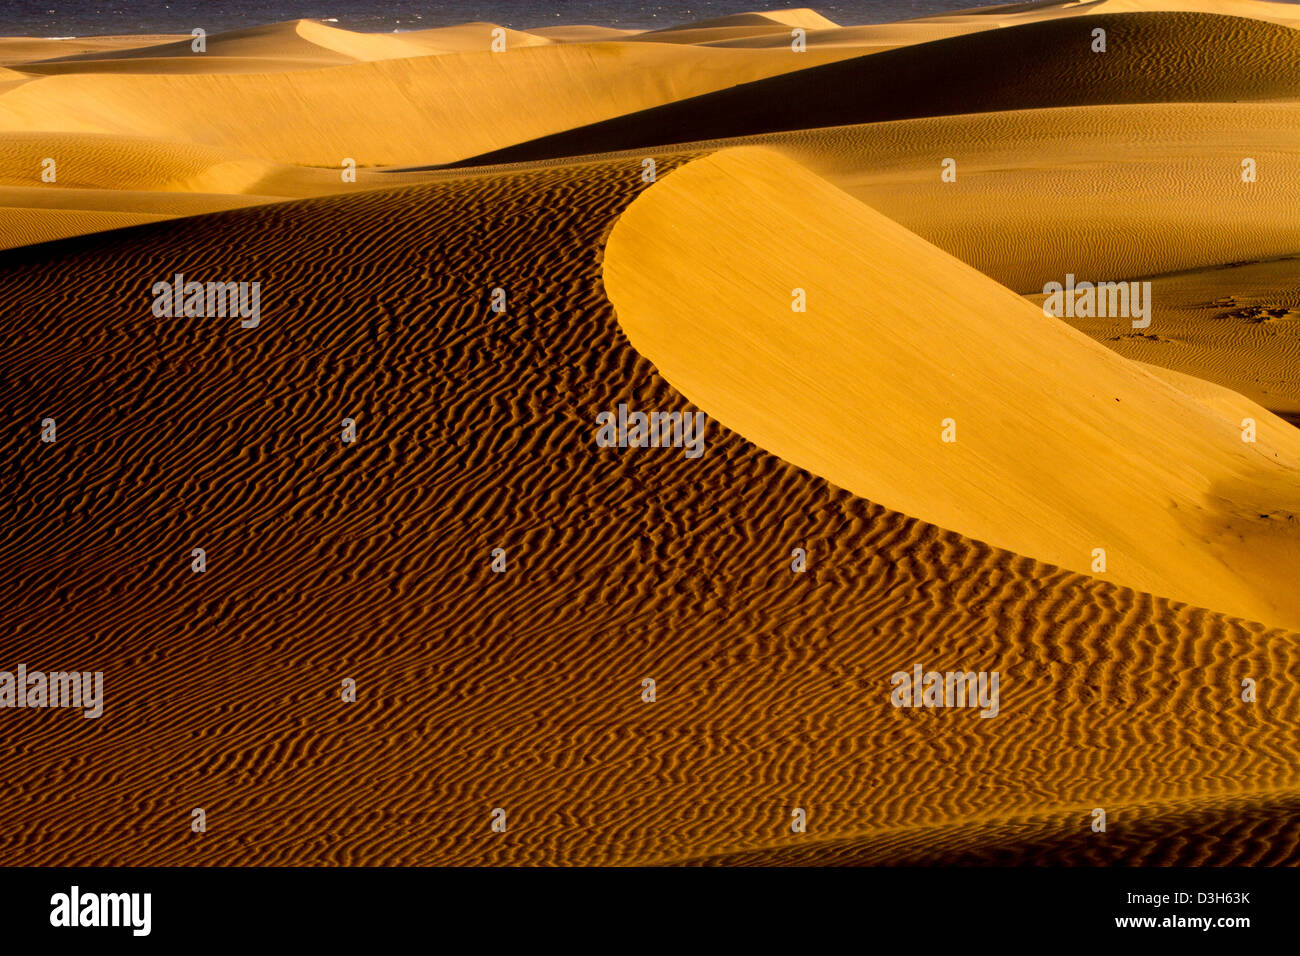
(424, 109)
(522, 691)
(1062, 447)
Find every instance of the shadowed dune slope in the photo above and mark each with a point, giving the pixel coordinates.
(518, 690)
(1256, 830)
(1062, 447)
(1151, 57)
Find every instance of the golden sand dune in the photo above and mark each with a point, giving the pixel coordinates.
(125, 163)
(1283, 13)
(1105, 192)
(1016, 14)
(945, 25)
(522, 690)
(292, 45)
(804, 17)
(582, 33)
(1061, 446)
(772, 26)
(468, 38)
(23, 223)
(16, 51)
(108, 182)
(871, 38)
(436, 109)
(289, 45)
(1150, 58)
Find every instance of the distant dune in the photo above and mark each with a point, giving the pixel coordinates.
(1150, 58)
(437, 108)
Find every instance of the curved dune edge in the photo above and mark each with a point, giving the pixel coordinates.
(477, 431)
(1062, 446)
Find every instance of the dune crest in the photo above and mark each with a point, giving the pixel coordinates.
(436, 109)
(1062, 447)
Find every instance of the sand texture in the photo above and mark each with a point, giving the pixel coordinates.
(799, 271)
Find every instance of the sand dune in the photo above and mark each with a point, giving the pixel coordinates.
(582, 33)
(277, 46)
(1283, 13)
(125, 163)
(1046, 418)
(774, 24)
(16, 51)
(470, 38)
(108, 182)
(23, 224)
(290, 45)
(481, 690)
(522, 690)
(1105, 192)
(942, 26)
(1100, 191)
(1151, 58)
(438, 109)
(293, 45)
